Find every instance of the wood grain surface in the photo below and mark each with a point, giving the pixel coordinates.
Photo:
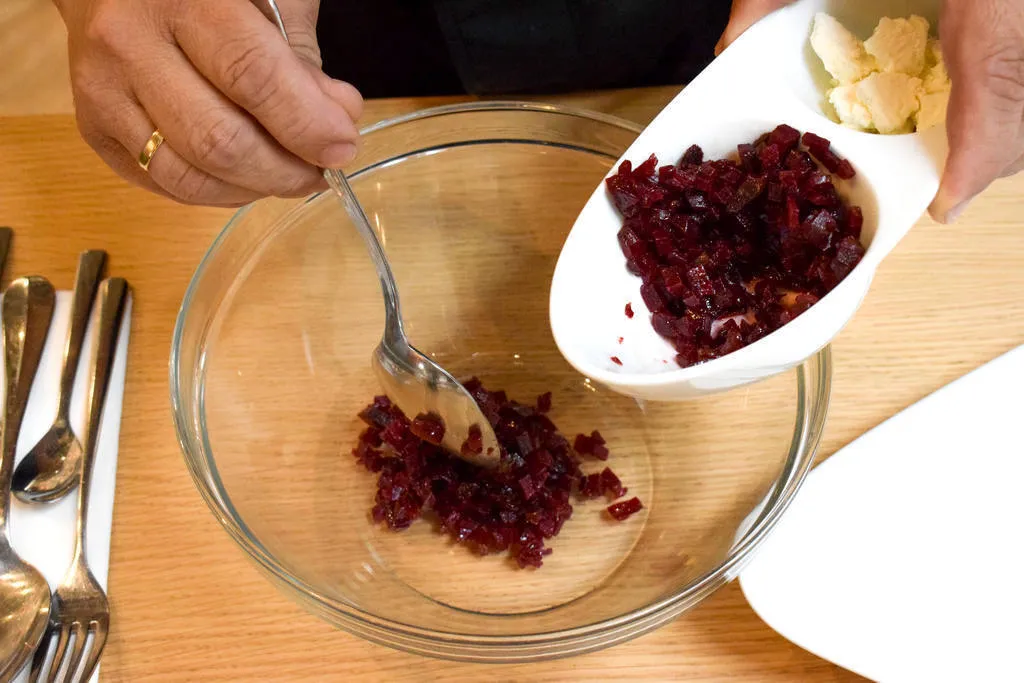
(186, 603)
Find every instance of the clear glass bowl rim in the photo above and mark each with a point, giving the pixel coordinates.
(200, 461)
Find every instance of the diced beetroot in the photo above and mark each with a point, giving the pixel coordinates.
(723, 195)
(664, 324)
(673, 282)
(629, 310)
(622, 511)
(792, 212)
(748, 191)
(700, 280)
(854, 221)
(785, 137)
(698, 200)
(821, 228)
(651, 296)
(611, 484)
(474, 444)
(815, 144)
(632, 245)
(590, 486)
(711, 239)
(526, 484)
(377, 414)
(748, 157)
(616, 360)
(770, 157)
(845, 170)
(512, 508)
(646, 169)
(693, 156)
(584, 445)
(428, 427)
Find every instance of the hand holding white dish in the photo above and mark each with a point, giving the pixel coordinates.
(767, 77)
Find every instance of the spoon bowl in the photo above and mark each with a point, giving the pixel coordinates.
(48, 473)
(26, 312)
(767, 77)
(25, 607)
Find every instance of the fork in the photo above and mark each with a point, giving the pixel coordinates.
(80, 607)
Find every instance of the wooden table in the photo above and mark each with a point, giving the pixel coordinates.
(187, 605)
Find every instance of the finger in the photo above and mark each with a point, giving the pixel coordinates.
(744, 14)
(123, 133)
(1015, 168)
(212, 133)
(244, 56)
(985, 119)
(981, 129)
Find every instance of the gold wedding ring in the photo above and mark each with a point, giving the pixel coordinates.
(152, 145)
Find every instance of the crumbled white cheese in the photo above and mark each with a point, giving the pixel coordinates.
(892, 98)
(899, 44)
(936, 78)
(850, 110)
(933, 109)
(841, 52)
(895, 82)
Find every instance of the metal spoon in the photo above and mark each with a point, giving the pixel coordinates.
(410, 378)
(24, 594)
(6, 234)
(50, 469)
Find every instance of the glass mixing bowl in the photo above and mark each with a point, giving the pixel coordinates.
(271, 363)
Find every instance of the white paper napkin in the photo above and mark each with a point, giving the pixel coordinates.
(44, 534)
(901, 559)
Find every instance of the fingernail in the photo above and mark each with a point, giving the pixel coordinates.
(720, 45)
(338, 155)
(946, 208)
(955, 212)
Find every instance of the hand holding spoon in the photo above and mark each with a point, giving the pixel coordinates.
(409, 377)
(24, 593)
(50, 469)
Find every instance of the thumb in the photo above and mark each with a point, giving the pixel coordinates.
(300, 21)
(744, 14)
(984, 120)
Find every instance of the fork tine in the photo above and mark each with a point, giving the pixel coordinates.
(99, 639)
(80, 632)
(39, 659)
(58, 654)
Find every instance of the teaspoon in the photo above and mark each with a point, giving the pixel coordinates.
(50, 469)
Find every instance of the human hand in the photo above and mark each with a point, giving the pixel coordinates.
(243, 114)
(743, 15)
(983, 46)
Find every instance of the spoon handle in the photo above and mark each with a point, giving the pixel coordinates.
(90, 268)
(113, 294)
(25, 316)
(392, 310)
(393, 331)
(6, 234)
